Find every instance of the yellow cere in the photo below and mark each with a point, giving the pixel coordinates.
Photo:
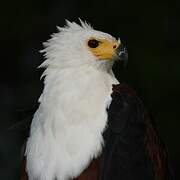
(105, 49)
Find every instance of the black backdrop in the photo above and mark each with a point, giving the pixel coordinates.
(150, 30)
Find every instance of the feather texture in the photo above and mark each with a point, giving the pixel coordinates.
(66, 130)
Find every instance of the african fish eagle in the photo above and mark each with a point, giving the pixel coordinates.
(81, 118)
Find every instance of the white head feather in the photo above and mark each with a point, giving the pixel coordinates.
(66, 131)
(67, 47)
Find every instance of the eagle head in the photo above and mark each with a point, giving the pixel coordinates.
(76, 45)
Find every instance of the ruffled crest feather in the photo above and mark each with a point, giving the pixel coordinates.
(74, 26)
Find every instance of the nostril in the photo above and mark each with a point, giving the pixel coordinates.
(114, 47)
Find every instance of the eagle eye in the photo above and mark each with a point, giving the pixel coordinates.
(93, 43)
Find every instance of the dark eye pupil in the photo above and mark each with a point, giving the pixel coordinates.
(93, 43)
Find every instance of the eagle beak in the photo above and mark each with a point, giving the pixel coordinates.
(122, 54)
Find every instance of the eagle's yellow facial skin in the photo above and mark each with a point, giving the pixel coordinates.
(105, 49)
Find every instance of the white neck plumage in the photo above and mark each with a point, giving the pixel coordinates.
(66, 132)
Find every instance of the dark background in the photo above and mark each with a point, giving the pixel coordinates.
(150, 30)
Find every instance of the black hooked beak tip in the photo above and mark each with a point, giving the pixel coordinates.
(122, 54)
